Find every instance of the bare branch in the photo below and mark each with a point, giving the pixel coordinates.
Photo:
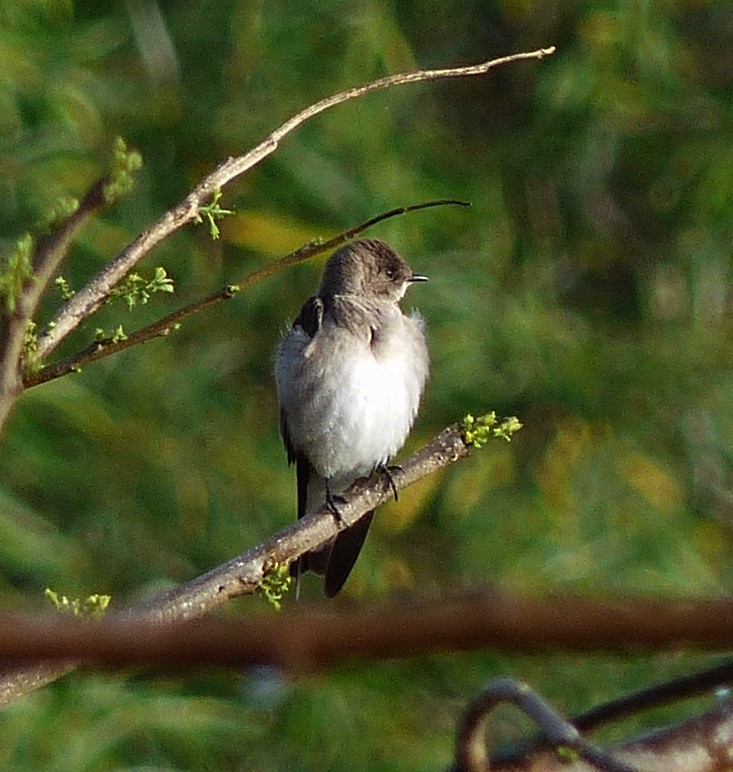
(471, 747)
(314, 637)
(243, 574)
(88, 299)
(163, 327)
(49, 252)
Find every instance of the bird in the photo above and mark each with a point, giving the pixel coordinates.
(350, 373)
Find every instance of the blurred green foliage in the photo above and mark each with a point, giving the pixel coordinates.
(587, 291)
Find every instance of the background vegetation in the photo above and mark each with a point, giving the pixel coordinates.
(587, 291)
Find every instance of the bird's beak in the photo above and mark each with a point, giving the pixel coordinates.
(418, 277)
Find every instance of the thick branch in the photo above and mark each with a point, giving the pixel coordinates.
(242, 575)
(313, 637)
(88, 299)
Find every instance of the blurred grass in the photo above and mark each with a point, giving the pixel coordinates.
(587, 291)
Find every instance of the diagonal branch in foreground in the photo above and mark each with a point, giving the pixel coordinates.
(88, 299)
(243, 574)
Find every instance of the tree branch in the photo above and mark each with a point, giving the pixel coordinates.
(699, 744)
(471, 747)
(665, 693)
(163, 327)
(48, 254)
(238, 576)
(313, 637)
(243, 574)
(88, 299)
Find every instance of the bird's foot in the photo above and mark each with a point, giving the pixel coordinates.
(386, 470)
(331, 502)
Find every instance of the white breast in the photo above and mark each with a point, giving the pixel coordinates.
(349, 405)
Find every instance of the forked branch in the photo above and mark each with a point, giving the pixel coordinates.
(88, 299)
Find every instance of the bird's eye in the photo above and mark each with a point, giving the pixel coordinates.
(390, 272)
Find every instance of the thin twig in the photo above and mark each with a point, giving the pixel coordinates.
(49, 251)
(88, 299)
(655, 696)
(163, 327)
(674, 690)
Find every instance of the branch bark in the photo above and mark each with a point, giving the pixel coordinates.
(163, 327)
(243, 574)
(88, 299)
(49, 252)
(312, 637)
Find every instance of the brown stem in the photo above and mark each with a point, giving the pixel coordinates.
(49, 252)
(163, 327)
(243, 574)
(88, 299)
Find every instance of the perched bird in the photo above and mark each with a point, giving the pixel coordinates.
(350, 373)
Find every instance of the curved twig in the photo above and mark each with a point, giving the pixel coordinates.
(674, 690)
(471, 747)
(163, 327)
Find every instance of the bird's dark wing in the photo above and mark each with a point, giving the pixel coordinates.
(311, 316)
(287, 442)
(343, 554)
(309, 320)
(313, 560)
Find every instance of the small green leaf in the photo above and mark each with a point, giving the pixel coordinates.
(15, 270)
(64, 287)
(93, 607)
(64, 207)
(116, 336)
(567, 754)
(478, 431)
(276, 582)
(125, 163)
(213, 212)
(31, 362)
(134, 289)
